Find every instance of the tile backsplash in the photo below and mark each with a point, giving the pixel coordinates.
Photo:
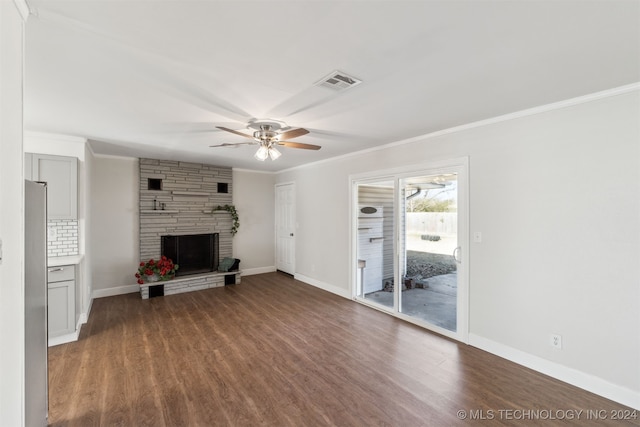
(62, 238)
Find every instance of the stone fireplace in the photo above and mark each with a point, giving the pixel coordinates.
(179, 199)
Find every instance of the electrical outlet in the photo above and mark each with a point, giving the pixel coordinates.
(52, 233)
(556, 341)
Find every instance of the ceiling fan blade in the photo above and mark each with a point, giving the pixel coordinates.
(299, 145)
(227, 144)
(236, 132)
(293, 133)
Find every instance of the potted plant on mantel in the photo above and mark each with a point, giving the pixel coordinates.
(234, 215)
(154, 271)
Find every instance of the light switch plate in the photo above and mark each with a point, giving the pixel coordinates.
(477, 237)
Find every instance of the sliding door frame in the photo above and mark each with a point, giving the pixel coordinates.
(461, 167)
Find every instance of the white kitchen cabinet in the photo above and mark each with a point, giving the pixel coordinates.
(61, 300)
(61, 175)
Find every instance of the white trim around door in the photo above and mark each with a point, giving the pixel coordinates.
(394, 177)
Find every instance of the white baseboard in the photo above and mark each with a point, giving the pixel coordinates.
(118, 290)
(63, 339)
(571, 376)
(325, 286)
(85, 316)
(258, 270)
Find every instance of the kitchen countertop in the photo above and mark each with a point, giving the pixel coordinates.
(64, 260)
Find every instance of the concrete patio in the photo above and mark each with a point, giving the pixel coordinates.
(435, 304)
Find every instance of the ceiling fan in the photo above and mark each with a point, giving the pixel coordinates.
(268, 137)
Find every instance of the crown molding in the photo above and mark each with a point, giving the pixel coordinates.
(111, 156)
(253, 171)
(55, 136)
(23, 8)
(503, 118)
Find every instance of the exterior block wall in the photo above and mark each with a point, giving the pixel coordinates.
(189, 192)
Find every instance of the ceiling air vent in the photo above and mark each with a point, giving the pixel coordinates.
(338, 80)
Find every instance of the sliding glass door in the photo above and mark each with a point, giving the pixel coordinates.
(410, 239)
(429, 225)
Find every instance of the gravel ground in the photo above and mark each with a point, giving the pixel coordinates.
(422, 265)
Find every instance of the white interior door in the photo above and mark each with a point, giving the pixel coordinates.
(285, 227)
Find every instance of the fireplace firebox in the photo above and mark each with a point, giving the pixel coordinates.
(194, 253)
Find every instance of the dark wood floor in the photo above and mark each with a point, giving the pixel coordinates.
(273, 351)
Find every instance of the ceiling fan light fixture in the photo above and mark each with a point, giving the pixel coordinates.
(268, 136)
(262, 153)
(274, 153)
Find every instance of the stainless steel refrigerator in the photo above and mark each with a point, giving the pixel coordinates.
(35, 294)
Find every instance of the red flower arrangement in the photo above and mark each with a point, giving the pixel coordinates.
(164, 269)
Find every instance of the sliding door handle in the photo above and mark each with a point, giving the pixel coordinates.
(456, 254)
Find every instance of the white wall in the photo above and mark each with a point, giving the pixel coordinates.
(253, 197)
(114, 242)
(322, 220)
(12, 304)
(556, 195)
